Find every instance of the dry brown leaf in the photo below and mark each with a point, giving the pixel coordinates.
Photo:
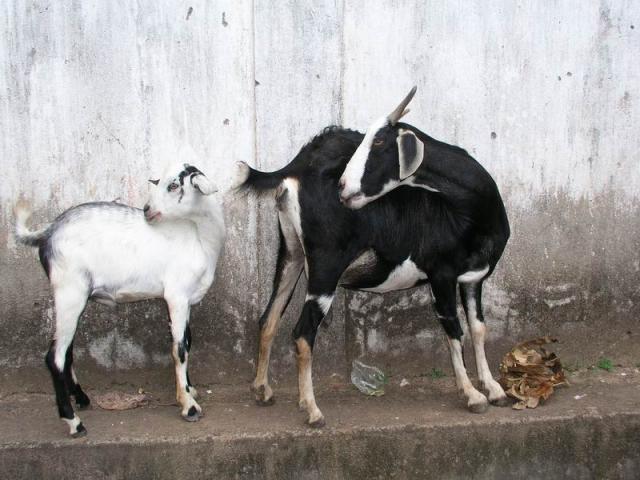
(529, 372)
(120, 400)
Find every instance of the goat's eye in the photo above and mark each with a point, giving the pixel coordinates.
(378, 143)
(173, 187)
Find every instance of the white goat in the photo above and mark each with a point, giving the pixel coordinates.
(113, 253)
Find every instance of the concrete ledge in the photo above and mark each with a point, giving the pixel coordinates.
(420, 431)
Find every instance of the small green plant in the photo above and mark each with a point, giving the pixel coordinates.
(436, 373)
(605, 364)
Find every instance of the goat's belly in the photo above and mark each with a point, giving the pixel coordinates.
(109, 296)
(405, 275)
(369, 273)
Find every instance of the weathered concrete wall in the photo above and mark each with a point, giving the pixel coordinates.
(96, 96)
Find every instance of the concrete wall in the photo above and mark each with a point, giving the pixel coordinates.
(96, 96)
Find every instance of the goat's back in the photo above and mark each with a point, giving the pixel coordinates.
(112, 243)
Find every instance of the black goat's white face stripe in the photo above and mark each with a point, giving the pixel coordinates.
(354, 171)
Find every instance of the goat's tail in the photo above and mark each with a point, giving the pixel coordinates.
(248, 178)
(22, 213)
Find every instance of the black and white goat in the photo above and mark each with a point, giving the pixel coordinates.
(113, 253)
(379, 212)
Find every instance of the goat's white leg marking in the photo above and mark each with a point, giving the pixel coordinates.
(73, 425)
(292, 207)
(288, 280)
(179, 315)
(476, 401)
(305, 383)
(70, 300)
(478, 331)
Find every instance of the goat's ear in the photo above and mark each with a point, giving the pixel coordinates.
(410, 153)
(203, 184)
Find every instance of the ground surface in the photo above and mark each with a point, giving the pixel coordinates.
(588, 430)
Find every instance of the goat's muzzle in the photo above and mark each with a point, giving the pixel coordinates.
(348, 200)
(150, 215)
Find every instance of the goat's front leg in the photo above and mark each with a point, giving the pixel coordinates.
(444, 292)
(179, 314)
(314, 310)
(471, 295)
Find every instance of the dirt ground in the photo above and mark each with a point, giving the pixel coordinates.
(28, 415)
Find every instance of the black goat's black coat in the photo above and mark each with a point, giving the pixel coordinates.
(462, 227)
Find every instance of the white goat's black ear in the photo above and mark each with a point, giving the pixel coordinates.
(410, 153)
(155, 182)
(203, 184)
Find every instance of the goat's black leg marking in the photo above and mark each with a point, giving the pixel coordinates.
(471, 295)
(74, 388)
(187, 345)
(444, 291)
(63, 400)
(288, 268)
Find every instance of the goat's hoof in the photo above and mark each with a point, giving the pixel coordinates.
(261, 402)
(193, 415)
(82, 400)
(261, 396)
(80, 431)
(319, 423)
(480, 407)
(500, 401)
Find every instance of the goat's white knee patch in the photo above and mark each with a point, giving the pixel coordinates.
(323, 301)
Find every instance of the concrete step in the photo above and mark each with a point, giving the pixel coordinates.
(590, 429)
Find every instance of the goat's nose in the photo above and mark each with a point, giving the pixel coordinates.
(341, 184)
(146, 208)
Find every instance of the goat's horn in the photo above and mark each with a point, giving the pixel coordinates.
(400, 109)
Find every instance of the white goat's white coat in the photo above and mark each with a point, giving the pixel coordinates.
(113, 253)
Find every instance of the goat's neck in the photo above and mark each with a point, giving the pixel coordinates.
(210, 229)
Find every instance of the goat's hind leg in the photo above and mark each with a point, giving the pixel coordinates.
(70, 301)
(444, 292)
(288, 268)
(74, 388)
(471, 295)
